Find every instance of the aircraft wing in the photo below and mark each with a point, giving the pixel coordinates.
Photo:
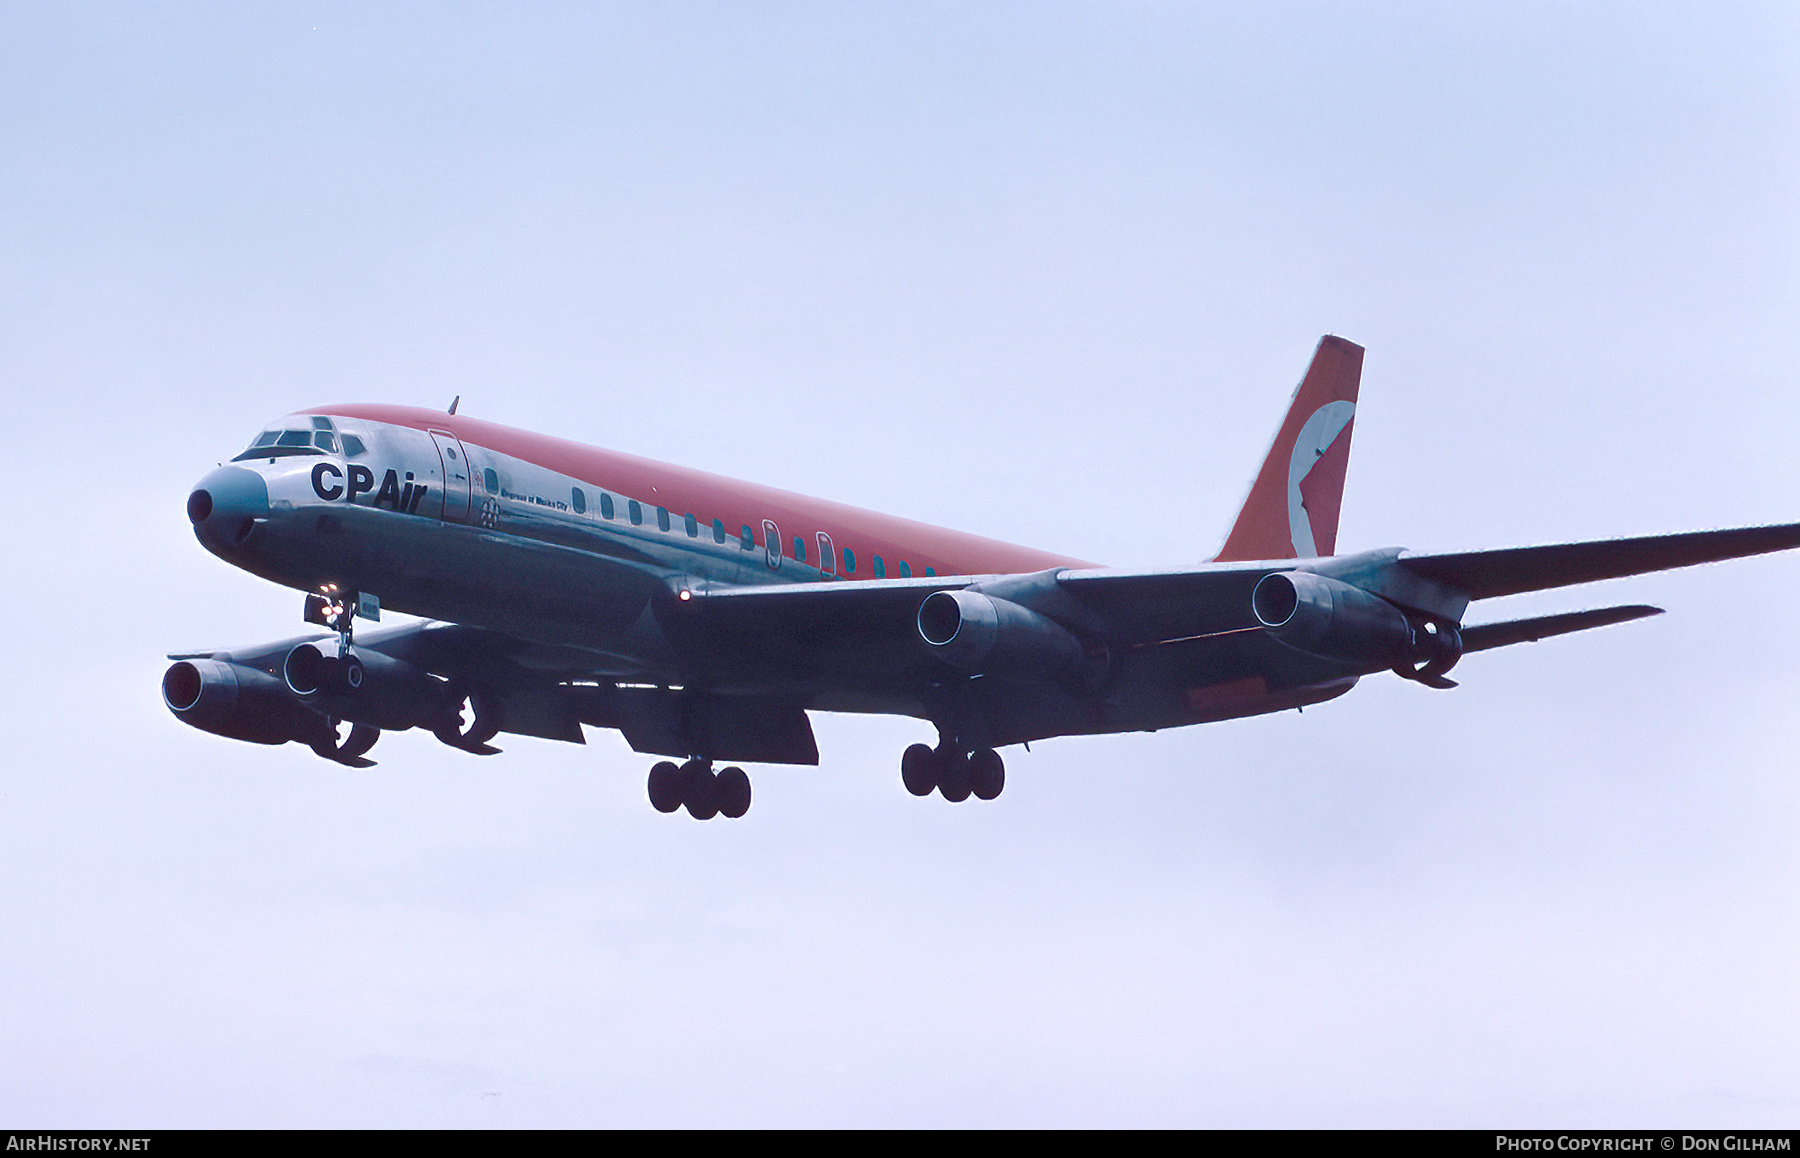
(872, 625)
(844, 643)
(1486, 574)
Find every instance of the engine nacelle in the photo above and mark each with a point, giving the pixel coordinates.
(1331, 620)
(367, 687)
(979, 633)
(238, 702)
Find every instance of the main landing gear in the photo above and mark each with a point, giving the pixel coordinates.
(954, 773)
(705, 793)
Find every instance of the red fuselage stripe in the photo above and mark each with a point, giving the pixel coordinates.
(708, 496)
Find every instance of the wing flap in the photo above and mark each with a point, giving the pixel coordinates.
(684, 723)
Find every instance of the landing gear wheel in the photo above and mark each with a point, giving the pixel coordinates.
(987, 774)
(700, 789)
(918, 770)
(665, 787)
(953, 774)
(733, 788)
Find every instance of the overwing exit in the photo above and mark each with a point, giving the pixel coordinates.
(567, 587)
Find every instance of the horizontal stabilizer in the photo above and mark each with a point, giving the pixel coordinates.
(1486, 574)
(1490, 635)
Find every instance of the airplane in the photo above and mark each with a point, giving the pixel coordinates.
(561, 586)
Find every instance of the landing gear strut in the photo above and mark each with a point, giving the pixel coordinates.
(342, 674)
(705, 793)
(955, 774)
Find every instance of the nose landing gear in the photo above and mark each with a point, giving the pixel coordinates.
(955, 774)
(705, 793)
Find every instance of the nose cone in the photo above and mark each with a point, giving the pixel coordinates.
(225, 506)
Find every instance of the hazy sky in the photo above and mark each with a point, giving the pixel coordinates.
(1041, 271)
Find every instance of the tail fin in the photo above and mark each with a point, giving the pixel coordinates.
(1292, 509)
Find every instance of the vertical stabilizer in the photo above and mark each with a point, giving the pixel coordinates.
(1292, 509)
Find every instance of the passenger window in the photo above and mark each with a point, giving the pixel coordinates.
(637, 513)
(905, 571)
(880, 568)
(799, 549)
(849, 561)
(662, 518)
(693, 525)
(748, 539)
(579, 499)
(719, 530)
(931, 571)
(489, 479)
(353, 446)
(606, 506)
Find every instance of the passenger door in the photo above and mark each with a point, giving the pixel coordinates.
(458, 486)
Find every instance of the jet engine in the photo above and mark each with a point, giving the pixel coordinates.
(238, 702)
(980, 633)
(1332, 620)
(367, 687)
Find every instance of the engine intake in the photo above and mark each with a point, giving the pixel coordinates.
(979, 633)
(238, 702)
(367, 687)
(308, 672)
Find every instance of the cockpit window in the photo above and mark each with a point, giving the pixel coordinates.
(325, 441)
(280, 443)
(321, 423)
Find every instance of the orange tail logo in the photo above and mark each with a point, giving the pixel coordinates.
(1292, 509)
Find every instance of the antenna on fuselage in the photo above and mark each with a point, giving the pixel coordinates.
(453, 403)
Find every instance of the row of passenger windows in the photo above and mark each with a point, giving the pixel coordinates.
(691, 524)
